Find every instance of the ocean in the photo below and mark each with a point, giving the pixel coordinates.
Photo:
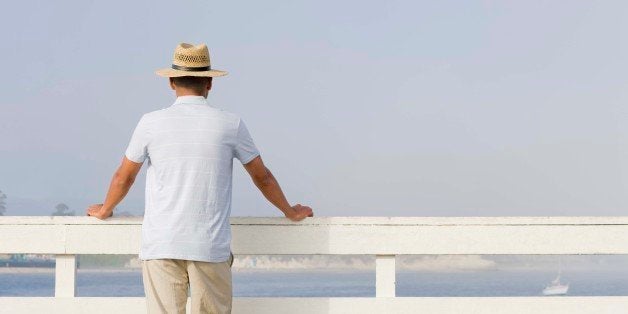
(326, 283)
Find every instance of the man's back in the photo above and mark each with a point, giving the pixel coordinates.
(190, 147)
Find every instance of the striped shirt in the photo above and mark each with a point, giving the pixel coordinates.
(189, 148)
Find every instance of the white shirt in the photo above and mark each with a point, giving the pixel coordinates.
(190, 148)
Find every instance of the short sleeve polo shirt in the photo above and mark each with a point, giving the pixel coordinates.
(189, 148)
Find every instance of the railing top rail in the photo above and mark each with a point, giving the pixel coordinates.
(337, 235)
(383, 221)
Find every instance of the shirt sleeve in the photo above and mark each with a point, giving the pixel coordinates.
(245, 149)
(137, 151)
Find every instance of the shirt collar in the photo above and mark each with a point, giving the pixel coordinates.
(191, 100)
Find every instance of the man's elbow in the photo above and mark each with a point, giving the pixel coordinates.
(265, 179)
(122, 180)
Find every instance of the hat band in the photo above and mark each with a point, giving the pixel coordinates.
(191, 69)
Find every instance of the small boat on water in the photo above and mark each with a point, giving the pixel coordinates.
(555, 287)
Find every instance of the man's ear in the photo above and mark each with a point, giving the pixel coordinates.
(209, 84)
(171, 83)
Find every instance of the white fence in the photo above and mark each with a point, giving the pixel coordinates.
(383, 237)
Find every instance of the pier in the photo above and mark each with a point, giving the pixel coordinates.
(383, 237)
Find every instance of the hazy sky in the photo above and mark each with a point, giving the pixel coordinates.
(387, 108)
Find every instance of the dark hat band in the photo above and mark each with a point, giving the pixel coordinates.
(191, 69)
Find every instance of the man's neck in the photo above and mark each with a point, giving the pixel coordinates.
(188, 93)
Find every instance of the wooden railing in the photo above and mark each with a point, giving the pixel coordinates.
(383, 237)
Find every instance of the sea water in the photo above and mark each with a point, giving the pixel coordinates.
(325, 283)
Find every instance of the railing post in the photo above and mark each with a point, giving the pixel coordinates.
(385, 276)
(65, 275)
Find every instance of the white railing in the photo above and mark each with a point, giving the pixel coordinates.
(383, 237)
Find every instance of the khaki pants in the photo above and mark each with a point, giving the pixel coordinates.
(166, 286)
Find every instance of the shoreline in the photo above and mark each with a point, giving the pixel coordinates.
(42, 270)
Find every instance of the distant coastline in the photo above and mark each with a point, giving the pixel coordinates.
(334, 263)
(43, 270)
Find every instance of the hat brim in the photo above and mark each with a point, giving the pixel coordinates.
(169, 72)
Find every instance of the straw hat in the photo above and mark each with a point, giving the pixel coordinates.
(190, 60)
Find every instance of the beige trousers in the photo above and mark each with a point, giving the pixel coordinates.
(166, 284)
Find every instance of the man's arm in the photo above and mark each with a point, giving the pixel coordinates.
(118, 188)
(268, 185)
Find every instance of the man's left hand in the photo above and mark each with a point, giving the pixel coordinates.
(97, 211)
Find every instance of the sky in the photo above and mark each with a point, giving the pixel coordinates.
(360, 108)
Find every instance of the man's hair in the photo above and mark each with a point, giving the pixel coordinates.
(195, 83)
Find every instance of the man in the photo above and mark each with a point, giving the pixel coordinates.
(190, 148)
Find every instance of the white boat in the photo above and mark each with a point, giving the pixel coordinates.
(555, 287)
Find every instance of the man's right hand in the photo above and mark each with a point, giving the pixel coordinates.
(299, 212)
